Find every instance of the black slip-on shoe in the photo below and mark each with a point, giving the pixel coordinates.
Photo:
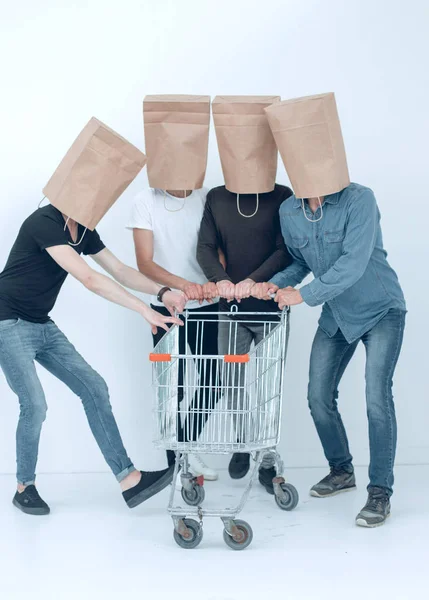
(30, 502)
(239, 465)
(150, 484)
(266, 477)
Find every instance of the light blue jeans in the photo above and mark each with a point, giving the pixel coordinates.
(22, 343)
(329, 359)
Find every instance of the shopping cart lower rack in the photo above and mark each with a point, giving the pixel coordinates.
(220, 404)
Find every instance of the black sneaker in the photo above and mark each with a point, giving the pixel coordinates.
(151, 483)
(266, 477)
(30, 502)
(376, 510)
(338, 481)
(239, 465)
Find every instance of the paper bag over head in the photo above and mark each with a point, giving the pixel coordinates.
(309, 138)
(97, 168)
(246, 145)
(176, 129)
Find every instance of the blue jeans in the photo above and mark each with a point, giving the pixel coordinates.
(329, 359)
(22, 343)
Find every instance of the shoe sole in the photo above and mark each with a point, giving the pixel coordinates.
(152, 490)
(36, 512)
(238, 476)
(315, 494)
(363, 523)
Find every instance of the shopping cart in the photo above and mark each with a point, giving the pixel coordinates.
(241, 398)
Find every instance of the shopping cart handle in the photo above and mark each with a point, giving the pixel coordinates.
(286, 308)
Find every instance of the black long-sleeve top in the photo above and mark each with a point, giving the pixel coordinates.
(253, 247)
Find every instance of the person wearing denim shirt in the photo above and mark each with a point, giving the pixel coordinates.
(331, 228)
(362, 300)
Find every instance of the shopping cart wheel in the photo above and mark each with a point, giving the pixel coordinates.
(289, 498)
(242, 538)
(190, 538)
(195, 496)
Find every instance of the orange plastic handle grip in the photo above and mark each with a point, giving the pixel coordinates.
(159, 357)
(236, 358)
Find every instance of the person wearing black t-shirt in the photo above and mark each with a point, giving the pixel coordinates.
(246, 227)
(47, 249)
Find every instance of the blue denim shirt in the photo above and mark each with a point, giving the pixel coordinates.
(344, 250)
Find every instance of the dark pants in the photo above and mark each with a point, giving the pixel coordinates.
(204, 401)
(329, 359)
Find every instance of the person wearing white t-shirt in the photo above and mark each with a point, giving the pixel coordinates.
(165, 228)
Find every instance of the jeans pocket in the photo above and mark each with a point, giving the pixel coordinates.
(8, 323)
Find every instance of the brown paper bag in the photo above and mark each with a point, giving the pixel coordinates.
(176, 129)
(246, 145)
(98, 167)
(308, 135)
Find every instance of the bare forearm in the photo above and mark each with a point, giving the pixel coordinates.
(134, 280)
(155, 272)
(113, 292)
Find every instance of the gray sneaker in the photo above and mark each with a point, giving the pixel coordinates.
(376, 510)
(338, 481)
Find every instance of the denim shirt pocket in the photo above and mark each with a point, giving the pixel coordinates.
(299, 245)
(334, 244)
(297, 242)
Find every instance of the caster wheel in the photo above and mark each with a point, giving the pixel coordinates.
(291, 497)
(242, 540)
(195, 496)
(193, 536)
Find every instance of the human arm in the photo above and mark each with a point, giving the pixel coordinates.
(143, 243)
(294, 273)
(210, 258)
(276, 262)
(288, 297)
(134, 280)
(105, 287)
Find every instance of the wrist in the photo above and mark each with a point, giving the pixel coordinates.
(182, 283)
(161, 293)
(142, 309)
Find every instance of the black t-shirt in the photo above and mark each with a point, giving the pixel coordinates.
(254, 247)
(31, 279)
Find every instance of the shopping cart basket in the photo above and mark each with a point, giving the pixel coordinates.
(240, 397)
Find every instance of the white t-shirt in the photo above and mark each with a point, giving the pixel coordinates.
(175, 223)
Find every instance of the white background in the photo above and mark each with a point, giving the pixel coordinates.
(65, 62)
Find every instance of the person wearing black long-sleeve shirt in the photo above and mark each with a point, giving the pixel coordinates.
(246, 228)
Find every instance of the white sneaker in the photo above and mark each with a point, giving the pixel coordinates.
(198, 467)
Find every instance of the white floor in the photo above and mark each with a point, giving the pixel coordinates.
(93, 547)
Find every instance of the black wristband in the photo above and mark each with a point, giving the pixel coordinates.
(162, 292)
